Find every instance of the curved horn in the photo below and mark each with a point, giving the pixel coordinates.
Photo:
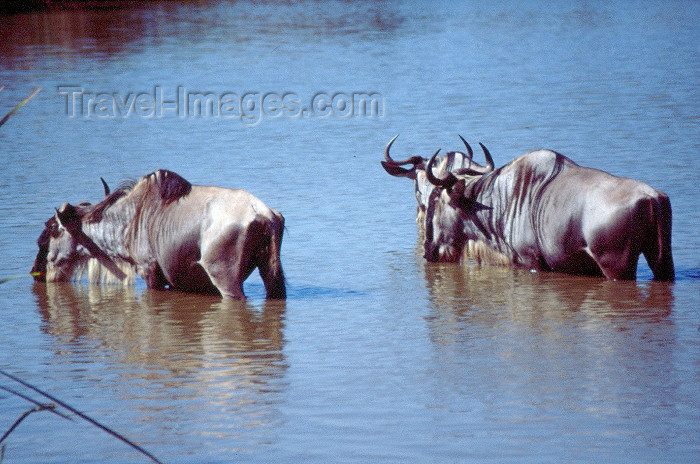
(470, 152)
(412, 160)
(386, 150)
(489, 160)
(447, 182)
(104, 184)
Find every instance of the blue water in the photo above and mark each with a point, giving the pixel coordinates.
(377, 356)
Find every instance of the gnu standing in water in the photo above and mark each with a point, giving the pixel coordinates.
(540, 211)
(172, 233)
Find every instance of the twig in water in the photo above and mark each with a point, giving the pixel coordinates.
(7, 279)
(19, 105)
(42, 407)
(36, 403)
(79, 414)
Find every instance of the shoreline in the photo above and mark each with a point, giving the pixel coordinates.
(29, 6)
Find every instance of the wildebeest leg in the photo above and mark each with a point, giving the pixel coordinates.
(660, 261)
(648, 231)
(616, 251)
(579, 263)
(618, 267)
(153, 275)
(268, 260)
(224, 273)
(657, 249)
(227, 258)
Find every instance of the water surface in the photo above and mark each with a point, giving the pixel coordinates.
(376, 356)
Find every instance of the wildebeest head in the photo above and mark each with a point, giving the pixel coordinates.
(63, 246)
(50, 232)
(453, 163)
(451, 203)
(58, 249)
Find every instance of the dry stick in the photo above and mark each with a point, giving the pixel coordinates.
(83, 416)
(36, 403)
(42, 407)
(20, 105)
(7, 279)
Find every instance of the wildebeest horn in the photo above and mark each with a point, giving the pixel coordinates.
(475, 169)
(469, 149)
(415, 160)
(447, 182)
(489, 160)
(104, 184)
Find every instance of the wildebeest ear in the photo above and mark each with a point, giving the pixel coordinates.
(68, 217)
(397, 171)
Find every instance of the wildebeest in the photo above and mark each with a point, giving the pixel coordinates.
(172, 233)
(542, 211)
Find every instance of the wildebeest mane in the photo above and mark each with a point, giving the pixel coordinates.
(170, 185)
(95, 213)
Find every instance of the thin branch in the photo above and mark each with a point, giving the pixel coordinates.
(20, 105)
(36, 403)
(83, 416)
(41, 407)
(7, 279)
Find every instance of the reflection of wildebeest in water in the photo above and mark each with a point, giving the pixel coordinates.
(540, 211)
(529, 295)
(171, 335)
(173, 234)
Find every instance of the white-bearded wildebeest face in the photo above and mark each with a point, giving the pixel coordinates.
(545, 212)
(171, 233)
